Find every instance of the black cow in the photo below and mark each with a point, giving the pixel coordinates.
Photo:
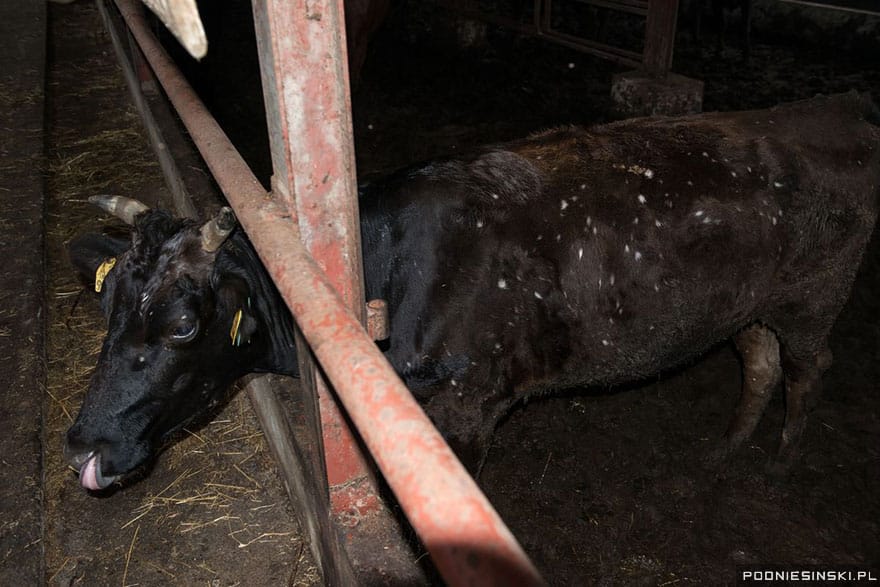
(574, 257)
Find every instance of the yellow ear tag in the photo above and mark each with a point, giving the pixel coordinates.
(101, 273)
(233, 333)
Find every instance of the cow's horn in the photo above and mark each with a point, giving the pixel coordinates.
(215, 230)
(123, 208)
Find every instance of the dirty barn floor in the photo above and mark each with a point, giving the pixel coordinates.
(599, 487)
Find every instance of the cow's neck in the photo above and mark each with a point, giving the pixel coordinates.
(380, 211)
(269, 307)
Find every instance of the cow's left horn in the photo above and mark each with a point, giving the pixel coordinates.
(215, 230)
(123, 208)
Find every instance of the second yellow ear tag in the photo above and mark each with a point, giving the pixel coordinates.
(101, 274)
(233, 332)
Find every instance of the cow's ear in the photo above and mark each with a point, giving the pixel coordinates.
(234, 301)
(91, 252)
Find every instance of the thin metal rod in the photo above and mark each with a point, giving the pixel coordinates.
(465, 536)
(833, 7)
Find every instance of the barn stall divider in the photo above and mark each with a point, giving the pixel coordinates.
(306, 231)
(660, 21)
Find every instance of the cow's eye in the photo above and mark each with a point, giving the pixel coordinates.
(184, 331)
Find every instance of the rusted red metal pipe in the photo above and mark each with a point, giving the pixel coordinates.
(308, 115)
(465, 536)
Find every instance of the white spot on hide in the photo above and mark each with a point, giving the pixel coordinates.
(642, 199)
(563, 204)
(638, 256)
(537, 295)
(502, 284)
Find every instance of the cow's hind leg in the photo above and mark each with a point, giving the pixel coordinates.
(761, 373)
(468, 422)
(803, 385)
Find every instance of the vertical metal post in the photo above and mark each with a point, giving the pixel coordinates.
(660, 36)
(303, 63)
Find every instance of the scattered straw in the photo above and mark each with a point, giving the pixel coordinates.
(261, 538)
(128, 557)
(161, 570)
(248, 477)
(61, 568)
(192, 526)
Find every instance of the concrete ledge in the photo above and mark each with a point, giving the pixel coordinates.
(636, 93)
(22, 289)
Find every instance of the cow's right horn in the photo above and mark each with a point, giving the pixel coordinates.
(123, 208)
(215, 230)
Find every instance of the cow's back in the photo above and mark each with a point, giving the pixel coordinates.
(608, 254)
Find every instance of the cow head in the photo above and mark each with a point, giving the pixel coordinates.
(180, 330)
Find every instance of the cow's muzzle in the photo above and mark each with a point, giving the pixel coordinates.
(89, 466)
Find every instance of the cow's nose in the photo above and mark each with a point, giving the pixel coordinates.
(75, 455)
(77, 447)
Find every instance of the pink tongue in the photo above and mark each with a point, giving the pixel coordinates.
(88, 475)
